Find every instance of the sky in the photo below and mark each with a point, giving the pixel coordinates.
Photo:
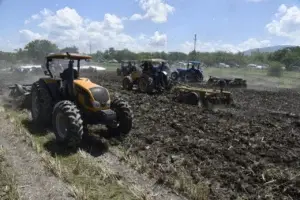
(151, 25)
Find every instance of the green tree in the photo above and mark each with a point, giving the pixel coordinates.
(177, 56)
(38, 49)
(72, 49)
(98, 56)
(275, 69)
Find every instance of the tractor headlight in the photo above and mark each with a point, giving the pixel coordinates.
(96, 104)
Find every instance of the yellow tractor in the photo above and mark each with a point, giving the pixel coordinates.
(154, 74)
(70, 102)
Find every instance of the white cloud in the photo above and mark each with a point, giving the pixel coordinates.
(158, 40)
(135, 17)
(7, 45)
(286, 23)
(220, 46)
(36, 16)
(27, 35)
(66, 27)
(156, 10)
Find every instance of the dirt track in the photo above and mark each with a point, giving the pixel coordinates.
(248, 152)
(33, 181)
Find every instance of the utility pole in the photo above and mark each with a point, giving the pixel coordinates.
(195, 44)
(90, 48)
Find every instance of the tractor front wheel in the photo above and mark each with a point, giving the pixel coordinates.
(124, 117)
(41, 104)
(127, 83)
(174, 76)
(67, 123)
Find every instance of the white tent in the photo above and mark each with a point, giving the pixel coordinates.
(94, 67)
(27, 67)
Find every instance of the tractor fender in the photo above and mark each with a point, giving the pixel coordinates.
(164, 73)
(52, 87)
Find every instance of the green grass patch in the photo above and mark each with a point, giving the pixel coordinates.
(256, 76)
(88, 180)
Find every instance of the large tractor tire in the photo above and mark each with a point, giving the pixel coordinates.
(124, 117)
(188, 77)
(192, 98)
(199, 77)
(67, 124)
(41, 104)
(127, 83)
(174, 76)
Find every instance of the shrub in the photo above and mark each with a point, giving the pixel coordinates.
(275, 69)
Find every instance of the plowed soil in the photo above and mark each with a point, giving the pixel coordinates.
(250, 151)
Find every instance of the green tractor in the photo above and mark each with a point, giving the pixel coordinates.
(70, 103)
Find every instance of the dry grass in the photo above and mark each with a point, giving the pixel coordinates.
(8, 188)
(180, 181)
(88, 181)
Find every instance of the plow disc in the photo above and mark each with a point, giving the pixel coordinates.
(232, 83)
(194, 96)
(20, 96)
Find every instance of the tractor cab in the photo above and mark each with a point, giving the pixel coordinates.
(192, 72)
(127, 66)
(153, 75)
(155, 64)
(128, 63)
(65, 68)
(194, 65)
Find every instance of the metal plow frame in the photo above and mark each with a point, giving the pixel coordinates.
(194, 95)
(20, 96)
(231, 83)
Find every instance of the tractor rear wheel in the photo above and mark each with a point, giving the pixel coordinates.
(145, 84)
(188, 77)
(124, 117)
(67, 124)
(127, 83)
(41, 104)
(199, 77)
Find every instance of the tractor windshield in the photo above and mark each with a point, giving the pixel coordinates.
(57, 66)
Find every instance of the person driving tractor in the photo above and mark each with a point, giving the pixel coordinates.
(65, 77)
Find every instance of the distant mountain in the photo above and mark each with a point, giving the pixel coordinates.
(267, 49)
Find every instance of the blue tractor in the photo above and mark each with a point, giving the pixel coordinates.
(192, 72)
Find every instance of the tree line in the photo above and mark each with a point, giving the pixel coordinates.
(36, 50)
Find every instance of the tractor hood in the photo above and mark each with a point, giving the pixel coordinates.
(181, 69)
(85, 83)
(96, 92)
